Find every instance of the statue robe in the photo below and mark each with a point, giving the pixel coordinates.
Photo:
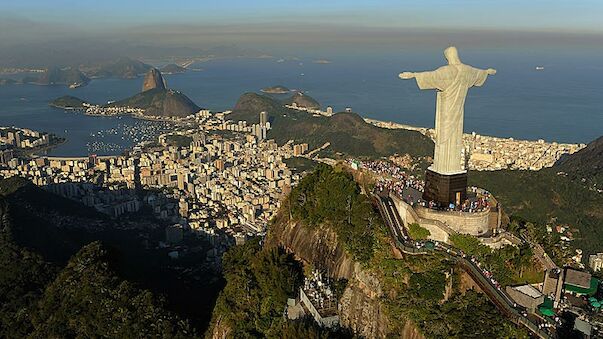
(452, 83)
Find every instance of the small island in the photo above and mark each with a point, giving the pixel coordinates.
(5, 81)
(69, 102)
(276, 90)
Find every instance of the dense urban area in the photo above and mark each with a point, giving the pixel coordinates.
(214, 185)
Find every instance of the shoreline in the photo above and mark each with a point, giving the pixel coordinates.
(427, 131)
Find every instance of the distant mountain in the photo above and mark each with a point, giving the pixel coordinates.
(172, 69)
(161, 102)
(68, 102)
(61, 76)
(348, 133)
(276, 90)
(586, 163)
(124, 68)
(302, 100)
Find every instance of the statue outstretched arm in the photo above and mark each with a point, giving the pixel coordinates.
(406, 75)
(481, 75)
(437, 79)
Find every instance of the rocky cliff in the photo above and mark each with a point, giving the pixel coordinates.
(153, 80)
(360, 307)
(381, 291)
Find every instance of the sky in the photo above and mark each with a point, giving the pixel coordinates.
(540, 15)
(44, 29)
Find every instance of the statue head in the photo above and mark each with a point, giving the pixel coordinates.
(452, 55)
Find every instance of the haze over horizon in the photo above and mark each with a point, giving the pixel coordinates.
(331, 28)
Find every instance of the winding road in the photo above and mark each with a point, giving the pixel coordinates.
(403, 242)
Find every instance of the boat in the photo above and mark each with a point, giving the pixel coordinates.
(539, 68)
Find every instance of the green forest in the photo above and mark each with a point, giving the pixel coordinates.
(85, 299)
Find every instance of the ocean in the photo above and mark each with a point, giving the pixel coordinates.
(560, 103)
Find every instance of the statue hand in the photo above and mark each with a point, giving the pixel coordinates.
(491, 71)
(406, 75)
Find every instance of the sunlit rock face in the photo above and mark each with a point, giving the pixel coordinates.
(152, 80)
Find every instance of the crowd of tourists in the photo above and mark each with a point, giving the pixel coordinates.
(392, 178)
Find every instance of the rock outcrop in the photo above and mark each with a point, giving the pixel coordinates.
(153, 80)
(360, 308)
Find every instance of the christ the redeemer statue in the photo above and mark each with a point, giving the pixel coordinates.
(452, 83)
(445, 180)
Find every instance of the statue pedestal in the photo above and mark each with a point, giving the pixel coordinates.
(445, 188)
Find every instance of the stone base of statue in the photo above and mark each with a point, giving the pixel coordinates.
(445, 188)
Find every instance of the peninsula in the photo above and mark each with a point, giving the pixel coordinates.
(172, 69)
(154, 101)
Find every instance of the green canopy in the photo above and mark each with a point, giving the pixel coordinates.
(548, 303)
(594, 284)
(546, 311)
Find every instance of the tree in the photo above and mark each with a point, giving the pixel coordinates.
(418, 232)
(88, 300)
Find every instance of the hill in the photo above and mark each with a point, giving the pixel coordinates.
(85, 299)
(61, 76)
(250, 104)
(160, 102)
(276, 90)
(124, 68)
(302, 100)
(172, 69)
(348, 133)
(327, 224)
(40, 232)
(68, 102)
(545, 197)
(585, 164)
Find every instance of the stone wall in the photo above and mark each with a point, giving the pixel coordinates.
(442, 224)
(438, 231)
(476, 224)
